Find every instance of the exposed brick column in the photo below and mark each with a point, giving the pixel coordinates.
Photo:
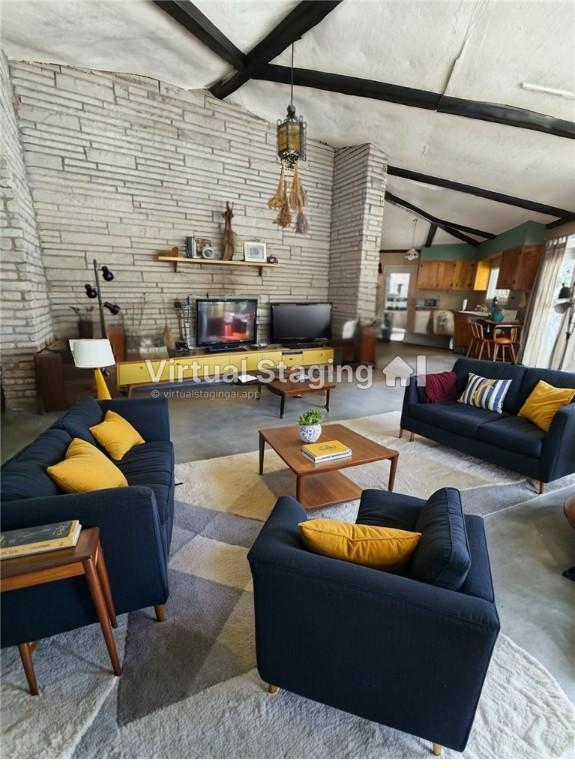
(360, 177)
(26, 323)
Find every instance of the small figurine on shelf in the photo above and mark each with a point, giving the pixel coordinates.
(495, 312)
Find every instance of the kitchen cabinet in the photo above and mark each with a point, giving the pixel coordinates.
(436, 275)
(427, 275)
(518, 267)
(464, 275)
(481, 278)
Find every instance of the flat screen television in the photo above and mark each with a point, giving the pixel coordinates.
(300, 323)
(226, 322)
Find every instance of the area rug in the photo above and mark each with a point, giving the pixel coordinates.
(189, 687)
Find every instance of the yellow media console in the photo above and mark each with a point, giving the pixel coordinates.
(173, 370)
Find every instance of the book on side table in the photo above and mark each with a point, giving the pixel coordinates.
(326, 451)
(39, 538)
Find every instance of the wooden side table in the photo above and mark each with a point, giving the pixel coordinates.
(85, 559)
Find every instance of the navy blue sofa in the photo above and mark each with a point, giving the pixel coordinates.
(135, 522)
(401, 652)
(506, 439)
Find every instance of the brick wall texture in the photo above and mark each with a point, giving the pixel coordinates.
(122, 166)
(360, 175)
(25, 309)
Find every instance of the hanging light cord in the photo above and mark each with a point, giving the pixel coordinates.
(291, 93)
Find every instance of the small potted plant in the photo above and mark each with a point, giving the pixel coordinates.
(309, 425)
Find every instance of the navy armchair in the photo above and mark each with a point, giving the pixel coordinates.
(397, 651)
(508, 440)
(135, 522)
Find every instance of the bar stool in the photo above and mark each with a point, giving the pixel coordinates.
(478, 340)
(501, 342)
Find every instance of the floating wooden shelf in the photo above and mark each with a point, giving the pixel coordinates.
(218, 263)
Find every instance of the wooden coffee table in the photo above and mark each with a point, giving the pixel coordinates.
(298, 388)
(320, 485)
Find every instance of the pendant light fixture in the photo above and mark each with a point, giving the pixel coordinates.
(291, 132)
(291, 149)
(412, 253)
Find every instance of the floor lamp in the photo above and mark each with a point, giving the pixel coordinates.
(95, 354)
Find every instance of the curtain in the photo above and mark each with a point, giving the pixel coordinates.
(542, 324)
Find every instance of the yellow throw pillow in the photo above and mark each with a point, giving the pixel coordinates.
(544, 402)
(84, 469)
(116, 435)
(386, 548)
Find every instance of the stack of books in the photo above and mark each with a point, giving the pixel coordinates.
(39, 538)
(329, 451)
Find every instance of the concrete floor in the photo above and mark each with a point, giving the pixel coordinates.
(530, 544)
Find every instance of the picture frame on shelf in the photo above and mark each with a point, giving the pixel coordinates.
(255, 252)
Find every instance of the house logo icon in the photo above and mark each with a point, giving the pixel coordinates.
(399, 371)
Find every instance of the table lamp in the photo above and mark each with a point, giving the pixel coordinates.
(96, 354)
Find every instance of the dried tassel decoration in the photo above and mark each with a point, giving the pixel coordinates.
(297, 193)
(301, 223)
(276, 200)
(284, 216)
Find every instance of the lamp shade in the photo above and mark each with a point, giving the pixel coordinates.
(91, 353)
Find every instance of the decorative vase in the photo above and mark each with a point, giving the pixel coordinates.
(310, 433)
(85, 329)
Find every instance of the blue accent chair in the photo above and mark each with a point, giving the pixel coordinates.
(386, 647)
(506, 439)
(135, 522)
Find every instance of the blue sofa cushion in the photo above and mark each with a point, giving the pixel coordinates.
(491, 370)
(149, 464)
(81, 416)
(25, 477)
(162, 494)
(453, 417)
(560, 379)
(389, 510)
(514, 433)
(442, 556)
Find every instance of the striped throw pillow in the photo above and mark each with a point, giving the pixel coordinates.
(488, 394)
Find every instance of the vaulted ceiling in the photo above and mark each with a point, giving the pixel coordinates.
(460, 66)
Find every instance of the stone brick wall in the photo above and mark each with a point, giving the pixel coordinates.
(360, 176)
(26, 323)
(121, 166)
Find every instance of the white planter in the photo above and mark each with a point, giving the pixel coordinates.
(310, 434)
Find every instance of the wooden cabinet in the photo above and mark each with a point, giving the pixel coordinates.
(461, 331)
(518, 267)
(427, 275)
(436, 275)
(464, 275)
(446, 275)
(481, 278)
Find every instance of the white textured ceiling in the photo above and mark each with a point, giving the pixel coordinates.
(472, 49)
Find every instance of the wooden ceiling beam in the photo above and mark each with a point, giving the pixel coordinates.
(190, 17)
(306, 15)
(446, 226)
(498, 197)
(414, 97)
(430, 235)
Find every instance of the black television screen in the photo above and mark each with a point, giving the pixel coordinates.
(293, 323)
(228, 322)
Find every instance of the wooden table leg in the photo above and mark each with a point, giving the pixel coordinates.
(102, 611)
(392, 471)
(262, 452)
(299, 488)
(327, 393)
(105, 584)
(26, 656)
(282, 406)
